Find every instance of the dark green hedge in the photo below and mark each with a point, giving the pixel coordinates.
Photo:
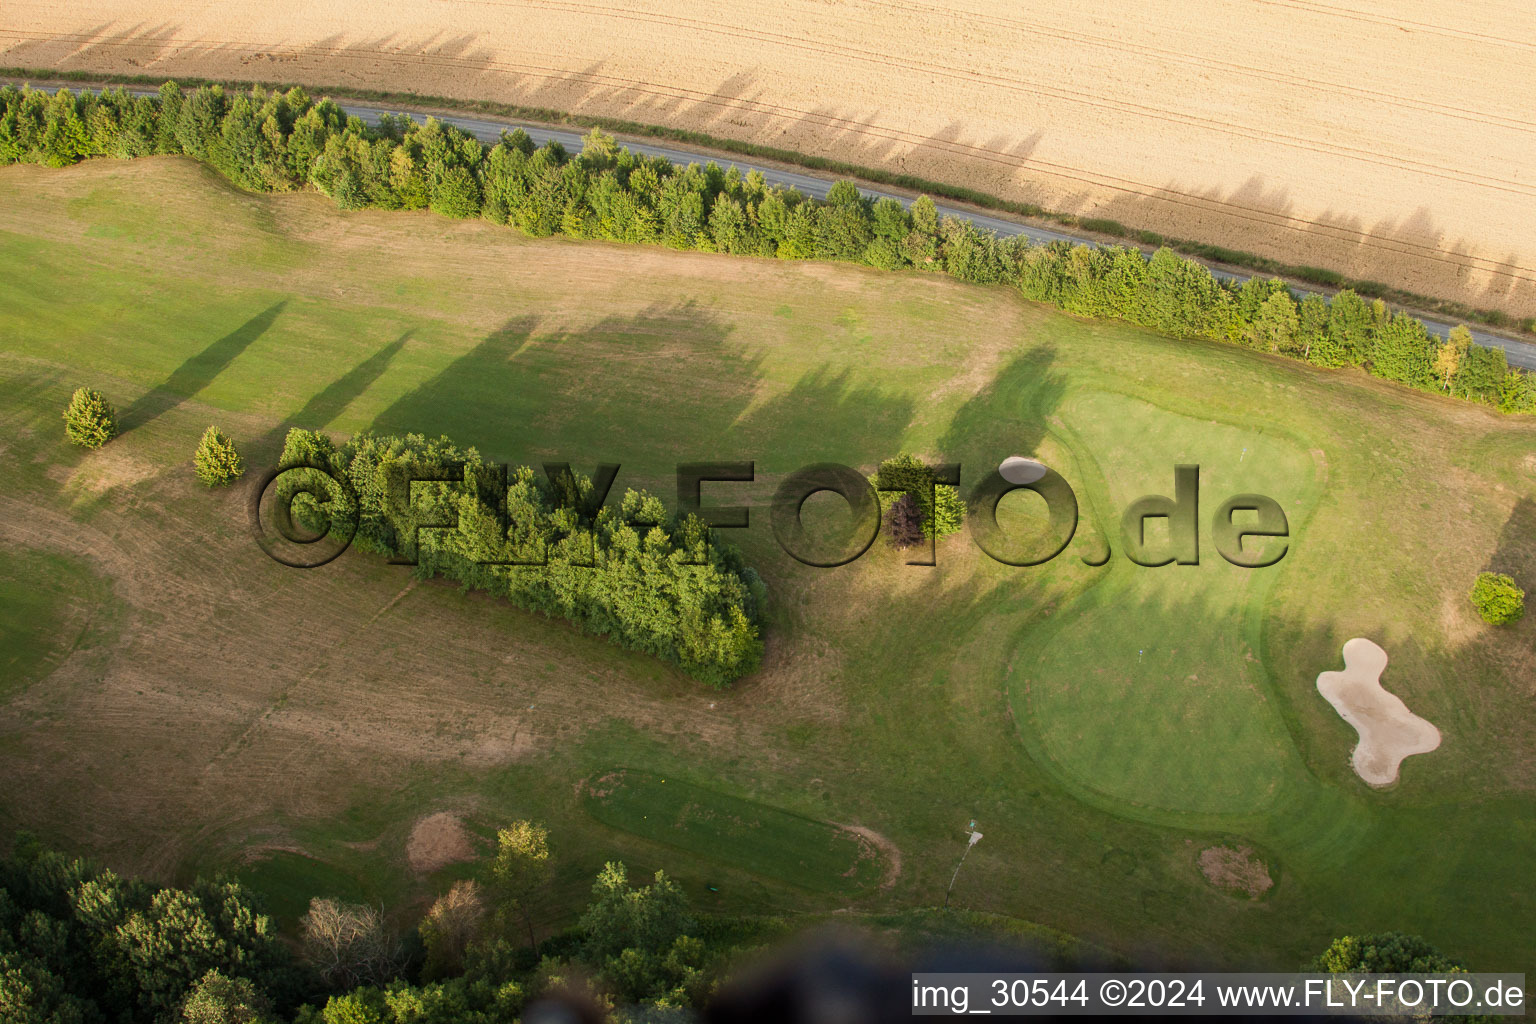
(633, 573)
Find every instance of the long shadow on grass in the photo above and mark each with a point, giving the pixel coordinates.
(647, 390)
(1516, 553)
(1008, 416)
(329, 403)
(827, 416)
(200, 370)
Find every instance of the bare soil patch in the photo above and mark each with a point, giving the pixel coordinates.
(1346, 154)
(1236, 869)
(1389, 732)
(438, 840)
(877, 845)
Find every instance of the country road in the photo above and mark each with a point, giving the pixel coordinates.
(1519, 353)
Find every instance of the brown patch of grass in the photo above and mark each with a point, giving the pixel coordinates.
(1236, 869)
(436, 841)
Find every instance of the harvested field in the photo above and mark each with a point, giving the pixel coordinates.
(1388, 141)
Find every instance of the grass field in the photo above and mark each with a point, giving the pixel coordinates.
(753, 836)
(182, 703)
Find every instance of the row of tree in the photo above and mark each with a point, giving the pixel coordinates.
(549, 543)
(82, 945)
(277, 141)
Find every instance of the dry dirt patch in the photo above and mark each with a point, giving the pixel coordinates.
(438, 840)
(1389, 732)
(876, 841)
(1236, 869)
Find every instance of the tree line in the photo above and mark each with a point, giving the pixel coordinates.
(646, 578)
(80, 944)
(274, 141)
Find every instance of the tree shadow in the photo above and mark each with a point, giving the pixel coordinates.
(827, 416)
(323, 407)
(197, 372)
(1009, 415)
(610, 392)
(1515, 554)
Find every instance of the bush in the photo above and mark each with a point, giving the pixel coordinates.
(1498, 600)
(90, 421)
(216, 460)
(940, 509)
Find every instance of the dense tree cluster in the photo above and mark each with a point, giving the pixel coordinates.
(631, 572)
(1384, 953)
(276, 141)
(81, 945)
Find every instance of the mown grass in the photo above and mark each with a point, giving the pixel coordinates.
(47, 605)
(1052, 705)
(751, 835)
(288, 881)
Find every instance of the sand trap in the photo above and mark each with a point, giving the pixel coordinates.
(1388, 731)
(1016, 469)
(438, 840)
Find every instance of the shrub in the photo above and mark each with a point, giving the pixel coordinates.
(216, 460)
(630, 571)
(940, 509)
(90, 421)
(1499, 601)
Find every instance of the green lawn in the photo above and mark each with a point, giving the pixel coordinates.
(50, 605)
(749, 835)
(1102, 725)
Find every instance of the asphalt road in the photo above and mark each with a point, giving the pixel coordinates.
(1519, 353)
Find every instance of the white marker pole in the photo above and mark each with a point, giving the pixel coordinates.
(975, 838)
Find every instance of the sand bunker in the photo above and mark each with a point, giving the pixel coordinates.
(438, 840)
(1016, 469)
(1388, 731)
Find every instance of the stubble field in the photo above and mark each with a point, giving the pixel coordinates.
(1387, 141)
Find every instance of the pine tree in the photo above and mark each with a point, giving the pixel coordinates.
(216, 461)
(89, 420)
(904, 522)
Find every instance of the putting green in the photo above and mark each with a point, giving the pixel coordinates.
(1151, 691)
